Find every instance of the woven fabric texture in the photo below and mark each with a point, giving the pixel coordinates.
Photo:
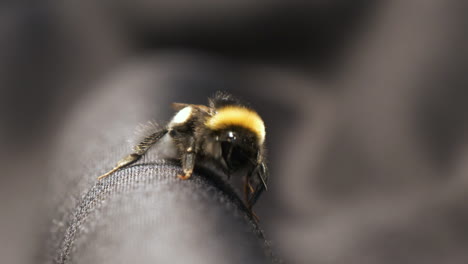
(145, 214)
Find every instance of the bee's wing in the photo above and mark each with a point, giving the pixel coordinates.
(180, 106)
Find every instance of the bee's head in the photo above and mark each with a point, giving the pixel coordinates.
(239, 147)
(240, 133)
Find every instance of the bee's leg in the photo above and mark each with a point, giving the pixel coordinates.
(139, 151)
(122, 163)
(149, 141)
(254, 215)
(225, 168)
(248, 190)
(188, 160)
(261, 175)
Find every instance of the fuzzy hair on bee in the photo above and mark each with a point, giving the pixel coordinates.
(226, 134)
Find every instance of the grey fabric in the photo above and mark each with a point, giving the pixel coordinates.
(145, 214)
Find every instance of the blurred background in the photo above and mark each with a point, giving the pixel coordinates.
(365, 104)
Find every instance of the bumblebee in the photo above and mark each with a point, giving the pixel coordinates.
(226, 133)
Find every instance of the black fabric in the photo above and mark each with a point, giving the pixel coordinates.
(145, 214)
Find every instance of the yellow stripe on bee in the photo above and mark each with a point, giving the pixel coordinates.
(238, 116)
